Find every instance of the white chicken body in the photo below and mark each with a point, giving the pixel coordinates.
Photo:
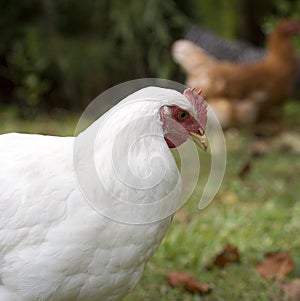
(54, 245)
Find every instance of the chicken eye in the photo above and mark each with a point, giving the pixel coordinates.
(182, 115)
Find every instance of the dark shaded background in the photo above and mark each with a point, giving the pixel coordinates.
(63, 53)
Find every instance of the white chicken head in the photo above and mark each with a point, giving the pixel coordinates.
(179, 124)
(124, 155)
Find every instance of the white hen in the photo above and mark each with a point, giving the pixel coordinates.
(54, 243)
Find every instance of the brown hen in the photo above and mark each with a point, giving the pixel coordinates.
(244, 94)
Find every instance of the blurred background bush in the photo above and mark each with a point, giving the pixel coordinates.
(63, 53)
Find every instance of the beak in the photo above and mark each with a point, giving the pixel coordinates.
(200, 139)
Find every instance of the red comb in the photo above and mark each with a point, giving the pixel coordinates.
(198, 92)
(199, 104)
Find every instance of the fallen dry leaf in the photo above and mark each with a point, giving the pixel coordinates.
(188, 282)
(277, 264)
(229, 255)
(292, 289)
(258, 148)
(245, 170)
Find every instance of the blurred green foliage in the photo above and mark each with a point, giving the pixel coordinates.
(63, 53)
(27, 62)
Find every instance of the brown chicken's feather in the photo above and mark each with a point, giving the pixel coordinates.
(243, 94)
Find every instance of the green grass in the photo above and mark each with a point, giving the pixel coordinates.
(257, 214)
(60, 122)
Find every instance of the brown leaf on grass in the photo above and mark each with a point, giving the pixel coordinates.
(229, 255)
(277, 264)
(292, 289)
(258, 148)
(188, 282)
(245, 170)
